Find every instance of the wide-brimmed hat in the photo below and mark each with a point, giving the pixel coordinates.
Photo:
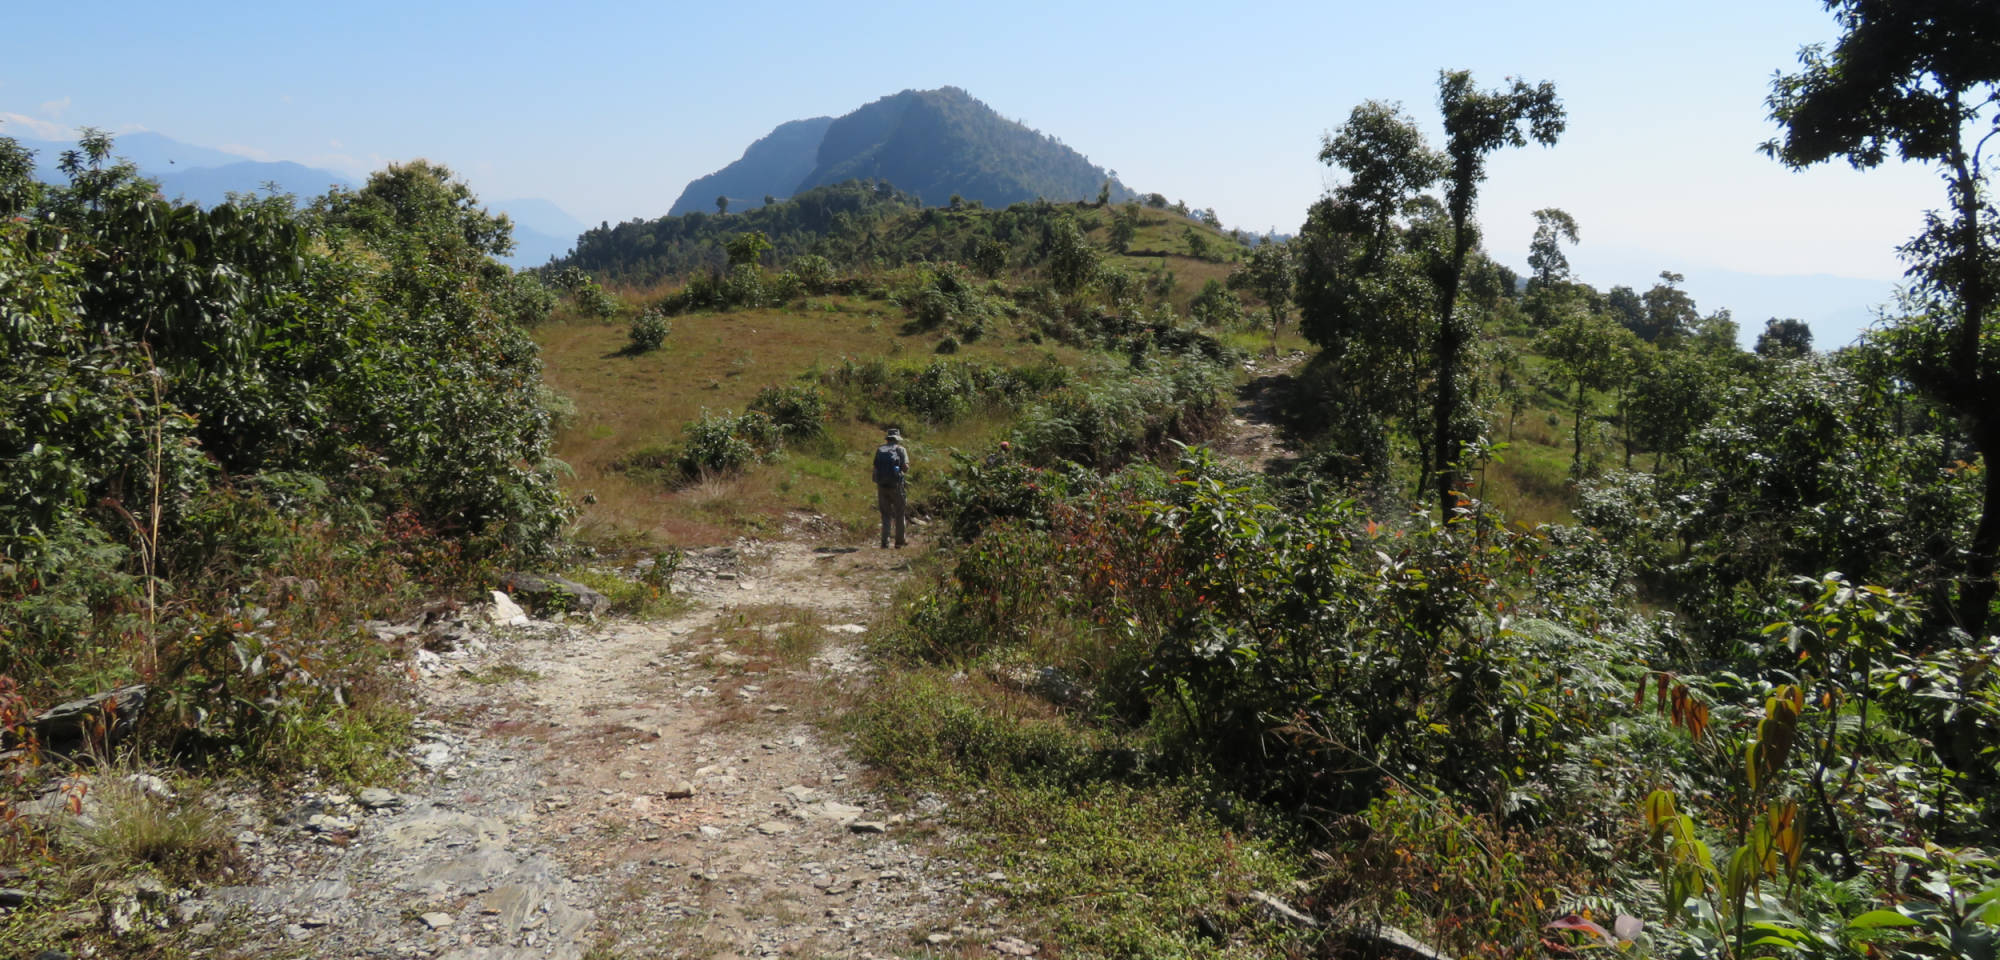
(895, 434)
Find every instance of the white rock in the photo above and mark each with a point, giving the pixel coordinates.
(151, 785)
(505, 612)
(848, 628)
(436, 920)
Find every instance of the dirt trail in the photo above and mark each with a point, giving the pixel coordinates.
(640, 789)
(1252, 434)
(653, 788)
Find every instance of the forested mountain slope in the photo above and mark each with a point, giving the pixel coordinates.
(772, 166)
(935, 144)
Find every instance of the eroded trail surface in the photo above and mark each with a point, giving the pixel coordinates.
(643, 789)
(1252, 432)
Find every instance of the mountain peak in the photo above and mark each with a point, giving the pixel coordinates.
(932, 143)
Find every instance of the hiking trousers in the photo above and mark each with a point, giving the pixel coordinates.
(891, 501)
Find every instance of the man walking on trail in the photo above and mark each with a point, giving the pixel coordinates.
(892, 464)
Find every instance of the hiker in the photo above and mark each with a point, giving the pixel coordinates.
(892, 465)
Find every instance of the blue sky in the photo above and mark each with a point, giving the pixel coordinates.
(609, 109)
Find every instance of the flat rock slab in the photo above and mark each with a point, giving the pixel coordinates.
(553, 952)
(444, 824)
(482, 865)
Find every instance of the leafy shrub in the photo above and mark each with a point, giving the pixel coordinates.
(744, 286)
(797, 411)
(649, 332)
(783, 288)
(1216, 306)
(948, 345)
(722, 443)
(1109, 423)
(1223, 618)
(934, 308)
(814, 272)
(1426, 862)
(590, 298)
(940, 296)
(526, 301)
(978, 493)
(944, 391)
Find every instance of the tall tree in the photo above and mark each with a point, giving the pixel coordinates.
(1549, 287)
(1476, 123)
(1362, 290)
(1269, 273)
(1545, 253)
(1667, 313)
(1921, 78)
(1124, 226)
(1388, 165)
(1072, 260)
(1584, 353)
(1787, 338)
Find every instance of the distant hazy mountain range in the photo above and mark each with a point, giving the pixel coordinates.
(207, 176)
(195, 174)
(932, 143)
(1837, 308)
(542, 230)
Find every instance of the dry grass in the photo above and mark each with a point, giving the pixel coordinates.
(716, 362)
(778, 632)
(129, 828)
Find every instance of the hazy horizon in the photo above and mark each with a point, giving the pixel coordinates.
(608, 111)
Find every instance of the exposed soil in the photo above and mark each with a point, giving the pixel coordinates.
(636, 789)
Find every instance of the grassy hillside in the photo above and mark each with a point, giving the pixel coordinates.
(867, 323)
(719, 361)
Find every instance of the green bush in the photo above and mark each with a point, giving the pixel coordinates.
(744, 286)
(1216, 306)
(1109, 423)
(649, 332)
(814, 272)
(798, 411)
(725, 442)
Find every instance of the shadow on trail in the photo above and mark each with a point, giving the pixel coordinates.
(1255, 433)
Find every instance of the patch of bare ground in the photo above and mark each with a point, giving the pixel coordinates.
(631, 789)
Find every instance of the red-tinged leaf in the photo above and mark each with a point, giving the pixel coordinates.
(1579, 924)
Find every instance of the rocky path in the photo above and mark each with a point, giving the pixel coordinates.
(1252, 434)
(638, 789)
(627, 789)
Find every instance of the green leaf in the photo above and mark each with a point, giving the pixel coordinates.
(1880, 919)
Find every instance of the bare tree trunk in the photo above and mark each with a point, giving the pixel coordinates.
(1576, 457)
(1976, 600)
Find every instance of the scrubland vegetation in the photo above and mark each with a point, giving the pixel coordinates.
(1571, 628)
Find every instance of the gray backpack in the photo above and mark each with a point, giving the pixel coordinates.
(888, 464)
